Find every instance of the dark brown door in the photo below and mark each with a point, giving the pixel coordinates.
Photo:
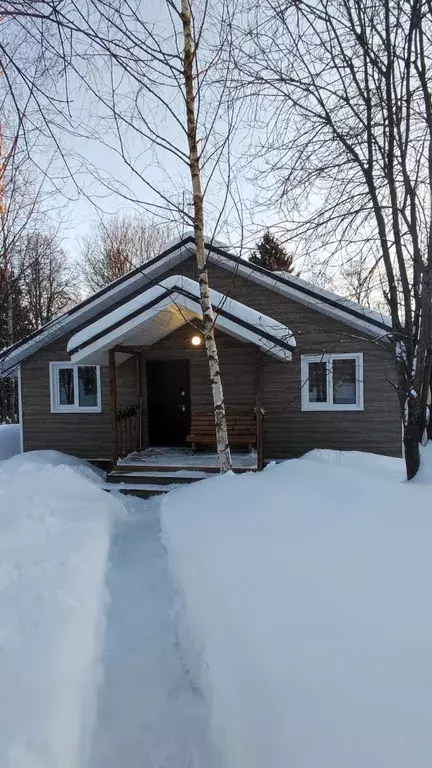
(168, 396)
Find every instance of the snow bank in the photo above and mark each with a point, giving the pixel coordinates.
(309, 590)
(35, 460)
(10, 436)
(382, 467)
(55, 527)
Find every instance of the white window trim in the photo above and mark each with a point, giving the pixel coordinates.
(55, 395)
(306, 405)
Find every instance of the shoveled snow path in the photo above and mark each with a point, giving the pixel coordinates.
(150, 713)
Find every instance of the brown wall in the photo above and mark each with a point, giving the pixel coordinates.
(287, 432)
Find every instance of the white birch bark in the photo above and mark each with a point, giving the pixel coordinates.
(223, 448)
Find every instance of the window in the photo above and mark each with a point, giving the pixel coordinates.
(75, 388)
(332, 382)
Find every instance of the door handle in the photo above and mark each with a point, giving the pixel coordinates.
(182, 407)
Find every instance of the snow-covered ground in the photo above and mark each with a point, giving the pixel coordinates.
(55, 528)
(308, 589)
(10, 436)
(301, 635)
(91, 668)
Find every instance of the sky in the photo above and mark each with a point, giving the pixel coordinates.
(243, 217)
(99, 181)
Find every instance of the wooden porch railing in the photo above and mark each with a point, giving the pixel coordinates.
(128, 429)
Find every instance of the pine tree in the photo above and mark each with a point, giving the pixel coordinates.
(271, 255)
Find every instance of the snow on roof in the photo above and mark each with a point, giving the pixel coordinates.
(166, 306)
(175, 252)
(305, 292)
(324, 294)
(102, 301)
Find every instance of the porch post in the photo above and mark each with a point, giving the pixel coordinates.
(113, 404)
(139, 398)
(259, 410)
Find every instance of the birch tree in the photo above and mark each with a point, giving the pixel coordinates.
(349, 154)
(189, 64)
(188, 91)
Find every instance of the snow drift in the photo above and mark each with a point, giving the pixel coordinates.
(54, 536)
(10, 435)
(309, 590)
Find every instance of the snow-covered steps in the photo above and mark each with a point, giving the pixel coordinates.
(144, 490)
(146, 479)
(164, 477)
(150, 482)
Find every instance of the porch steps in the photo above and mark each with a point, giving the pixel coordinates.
(149, 473)
(145, 490)
(151, 482)
(174, 476)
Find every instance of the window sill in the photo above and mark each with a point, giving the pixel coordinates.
(325, 408)
(74, 409)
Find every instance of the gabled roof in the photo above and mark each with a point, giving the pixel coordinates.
(163, 308)
(151, 273)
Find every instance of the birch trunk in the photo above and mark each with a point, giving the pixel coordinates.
(222, 443)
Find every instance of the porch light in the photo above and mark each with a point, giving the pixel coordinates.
(196, 341)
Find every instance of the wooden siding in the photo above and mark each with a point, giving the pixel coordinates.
(287, 430)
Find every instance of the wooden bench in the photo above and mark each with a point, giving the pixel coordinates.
(241, 429)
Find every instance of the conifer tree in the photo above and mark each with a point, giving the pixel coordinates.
(271, 255)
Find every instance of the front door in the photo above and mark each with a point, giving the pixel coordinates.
(168, 397)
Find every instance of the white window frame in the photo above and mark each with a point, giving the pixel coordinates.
(56, 407)
(307, 405)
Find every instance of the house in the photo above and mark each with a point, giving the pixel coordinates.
(126, 368)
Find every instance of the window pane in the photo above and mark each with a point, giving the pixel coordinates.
(66, 386)
(317, 382)
(344, 382)
(87, 386)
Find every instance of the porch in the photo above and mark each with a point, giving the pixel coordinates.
(163, 437)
